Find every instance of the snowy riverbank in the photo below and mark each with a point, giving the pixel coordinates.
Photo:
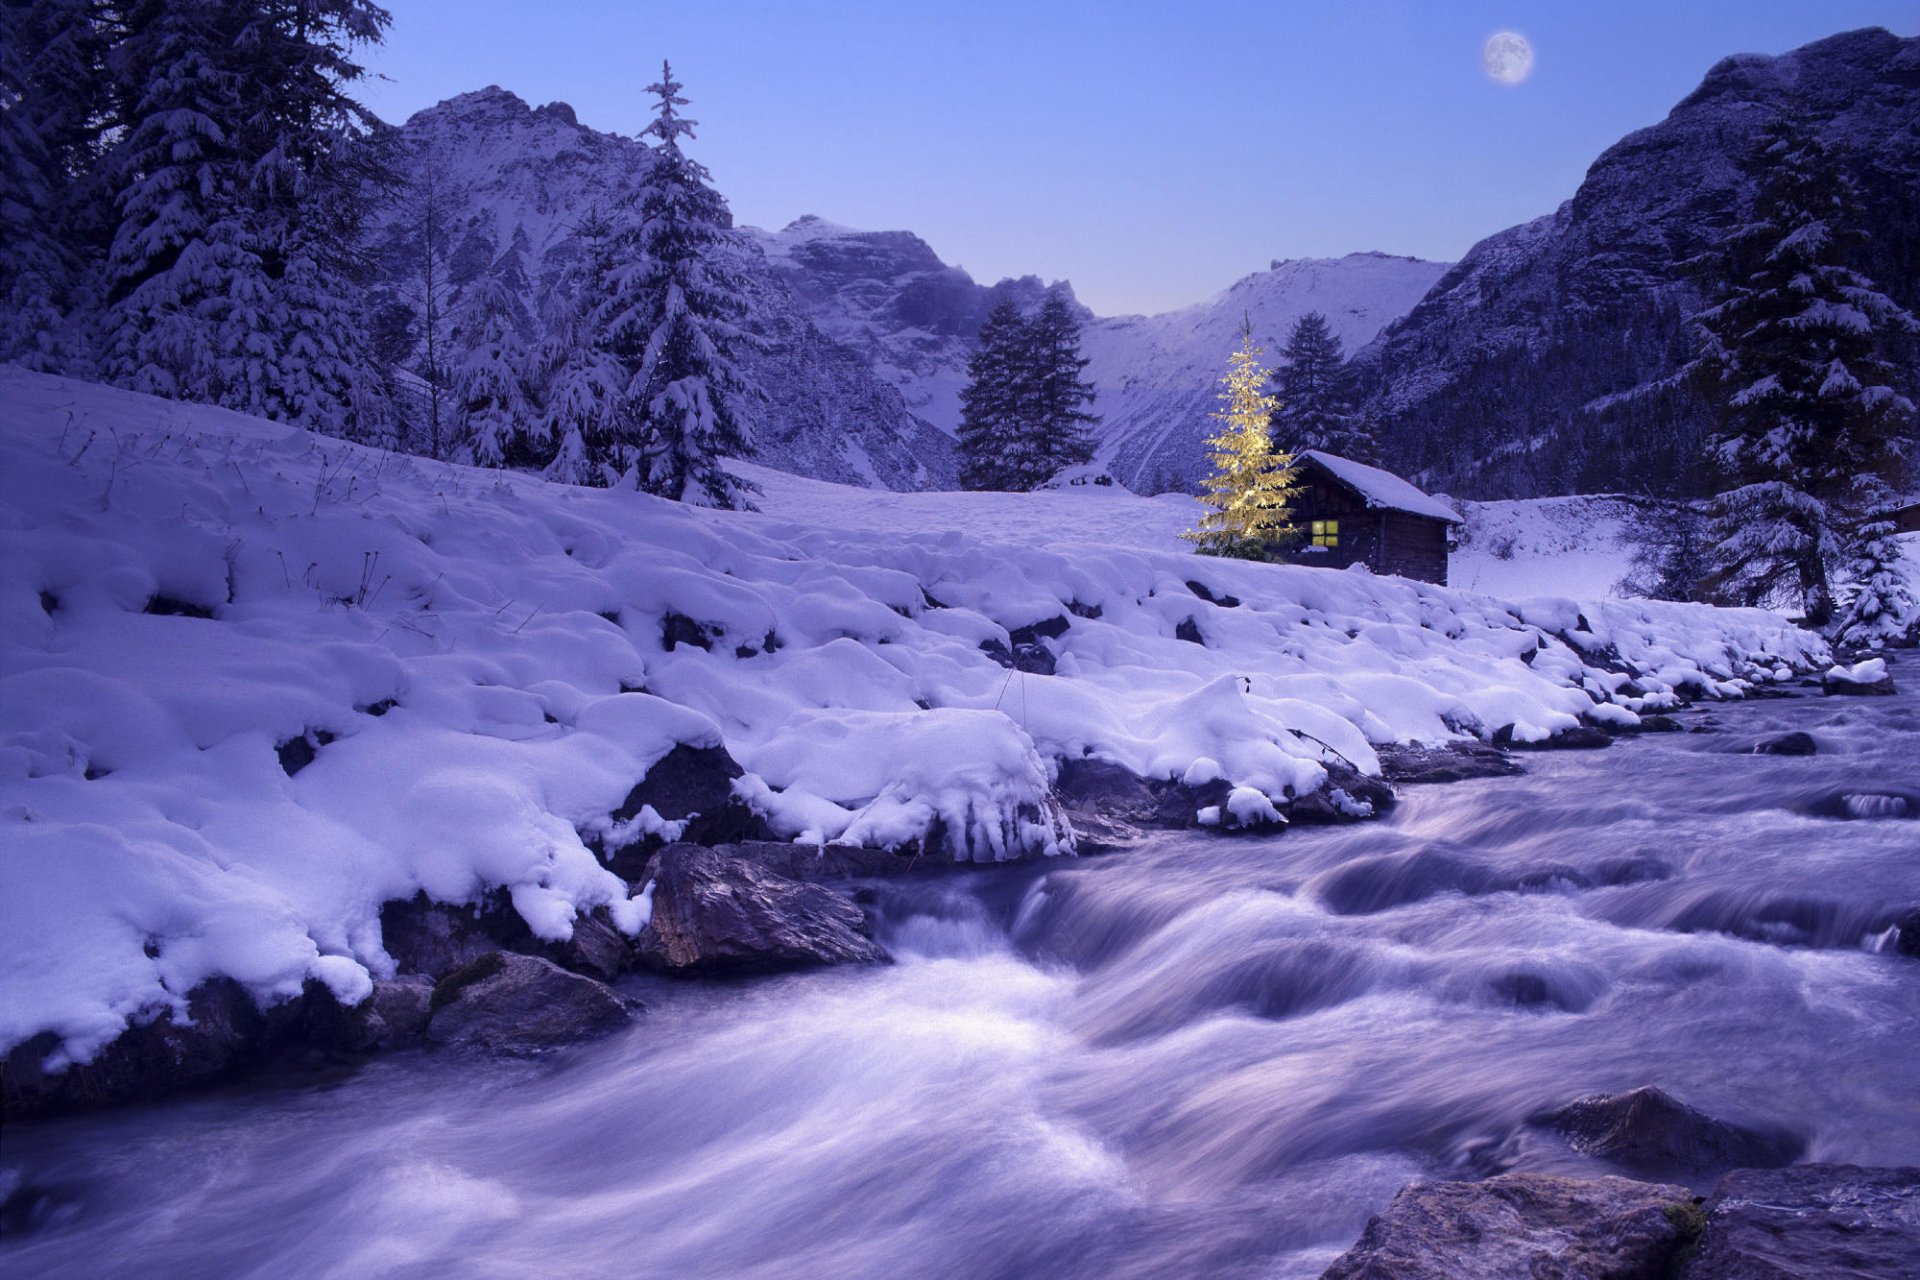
(255, 683)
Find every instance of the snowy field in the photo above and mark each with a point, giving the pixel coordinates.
(478, 665)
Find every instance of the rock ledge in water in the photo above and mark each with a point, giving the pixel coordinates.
(509, 1001)
(720, 910)
(1650, 1131)
(1523, 1226)
(1812, 1220)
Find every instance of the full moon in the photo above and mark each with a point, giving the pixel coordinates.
(1507, 57)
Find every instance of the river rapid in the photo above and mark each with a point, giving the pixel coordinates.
(1209, 1056)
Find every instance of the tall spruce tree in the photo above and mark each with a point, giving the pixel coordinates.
(992, 407)
(499, 423)
(239, 183)
(1808, 409)
(1314, 410)
(1878, 606)
(55, 99)
(578, 381)
(1060, 422)
(1252, 483)
(673, 318)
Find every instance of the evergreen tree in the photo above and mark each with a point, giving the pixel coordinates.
(1808, 407)
(1314, 410)
(992, 406)
(1878, 606)
(1252, 483)
(239, 184)
(672, 318)
(1059, 425)
(498, 420)
(54, 96)
(1670, 550)
(579, 379)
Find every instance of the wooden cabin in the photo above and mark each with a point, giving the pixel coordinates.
(1350, 513)
(1906, 519)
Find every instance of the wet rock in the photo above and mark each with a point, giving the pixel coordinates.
(1522, 1226)
(815, 863)
(1583, 737)
(1854, 805)
(223, 1034)
(1652, 1132)
(678, 629)
(1660, 724)
(1811, 1220)
(1447, 762)
(695, 785)
(1797, 743)
(1869, 679)
(1906, 934)
(434, 938)
(1101, 786)
(1031, 657)
(1349, 796)
(1189, 630)
(717, 912)
(395, 1014)
(505, 1001)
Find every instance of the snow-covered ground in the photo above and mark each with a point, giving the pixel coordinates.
(480, 661)
(1576, 546)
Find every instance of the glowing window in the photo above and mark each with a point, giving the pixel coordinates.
(1326, 533)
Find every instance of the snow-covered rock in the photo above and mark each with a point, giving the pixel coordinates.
(255, 684)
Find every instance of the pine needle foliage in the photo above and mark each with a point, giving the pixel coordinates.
(1252, 483)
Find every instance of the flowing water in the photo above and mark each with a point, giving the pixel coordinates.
(1212, 1056)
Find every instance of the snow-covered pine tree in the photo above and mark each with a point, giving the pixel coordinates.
(1252, 483)
(1061, 425)
(579, 380)
(1314, 411)
(1808, 405)
(240, 182)
(1878, 606)
(672, 316)
(499, 422)
(992, 410)
(53, 101)
(1669, 541)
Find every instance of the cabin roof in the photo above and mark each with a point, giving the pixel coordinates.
(1381, 489)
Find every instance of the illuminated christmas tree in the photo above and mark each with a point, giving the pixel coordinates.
(1252, 483)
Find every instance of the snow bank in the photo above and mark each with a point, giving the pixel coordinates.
(254, 683)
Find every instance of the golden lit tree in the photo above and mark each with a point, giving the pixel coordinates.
(1252, 482)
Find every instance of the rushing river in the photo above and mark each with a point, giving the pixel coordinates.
(1212, 1056)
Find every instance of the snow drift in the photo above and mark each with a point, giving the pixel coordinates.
(254, 683)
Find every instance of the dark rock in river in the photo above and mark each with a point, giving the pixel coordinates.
(1583, 737)
(1851, 805)
(1338, 801)
(512, 1002)
(1448, 762)
(1797, 743)
(395, 1014)
(1839, 687)
(1812, 1220)
(1652, 1132)
(715, 911)
(224, 1033)
(1906, 934)
(1522, 1226)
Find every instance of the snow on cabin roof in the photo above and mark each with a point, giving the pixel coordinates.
(1383, 488)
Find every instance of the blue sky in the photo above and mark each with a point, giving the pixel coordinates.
(1152, 153)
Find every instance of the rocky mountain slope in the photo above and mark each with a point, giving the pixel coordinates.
(888, 295)
(498, 167)
(1544, 362)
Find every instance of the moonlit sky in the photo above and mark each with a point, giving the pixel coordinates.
(1151, 153)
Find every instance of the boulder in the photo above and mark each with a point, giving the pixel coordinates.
(1348, 796)
(223, 1034)
(1812, 1220)
(435, 938)
(1446, 762)
(1906, 934)
(694, 785)
(395, 1014)
(1864, 679)
(1523, 1226)
(1584, 737)
(1650, 1131)
(715, 911)
(1797, 743)
(505, 1001)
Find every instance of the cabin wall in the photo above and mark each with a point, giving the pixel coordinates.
(1393, 542)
